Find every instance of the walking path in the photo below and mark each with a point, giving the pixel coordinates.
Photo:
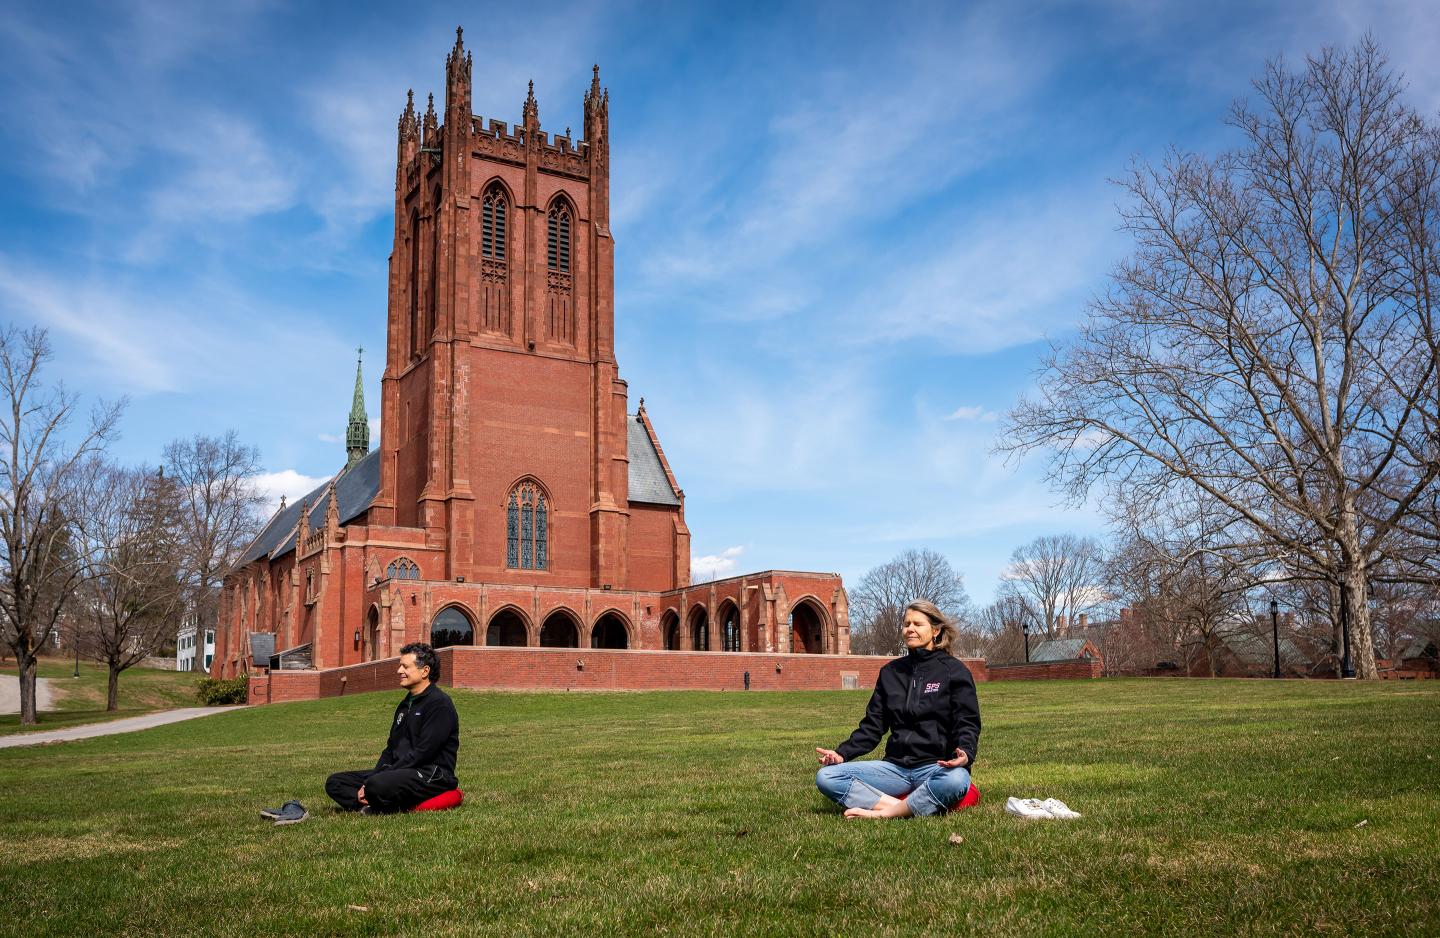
(10, 693)
(127, 725)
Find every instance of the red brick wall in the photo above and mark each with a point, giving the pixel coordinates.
(555, 669)
(1081, 668)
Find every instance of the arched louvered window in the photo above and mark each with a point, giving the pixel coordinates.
(492, 223)
(527, 528)
(415, 283)
(558, 242)
(402, 568)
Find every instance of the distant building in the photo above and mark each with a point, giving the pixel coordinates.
(194, 651)
(1063, 649)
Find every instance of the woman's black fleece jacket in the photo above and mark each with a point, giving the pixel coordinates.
(927, 701)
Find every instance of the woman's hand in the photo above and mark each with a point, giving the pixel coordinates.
(961, 760)
(829, 756)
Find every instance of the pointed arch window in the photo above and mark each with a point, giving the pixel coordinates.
(493, 212)
(527, 528)
(558, 242)
(415, 283)
(403, 568)
(559, 284)
(494, 260)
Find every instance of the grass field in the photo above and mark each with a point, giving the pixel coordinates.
(1211, 807)
(82, 699)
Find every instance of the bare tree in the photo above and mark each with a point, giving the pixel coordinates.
(133, 591)
(1002, 624)
(41, 462)
(1053, 578)
(1186, 569)
(219, 506)
(877, 604)
(1272, 342)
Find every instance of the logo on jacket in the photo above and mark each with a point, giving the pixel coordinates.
(932, 688)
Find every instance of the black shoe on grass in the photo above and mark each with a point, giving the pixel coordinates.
(272, 814)
(292, 812)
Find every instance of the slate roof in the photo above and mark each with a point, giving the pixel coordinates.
(648, 482)
(355, 489)
(1417, 648)
(1255, 649)
(1057, 649)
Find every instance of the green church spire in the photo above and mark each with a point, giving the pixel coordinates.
(357, 434)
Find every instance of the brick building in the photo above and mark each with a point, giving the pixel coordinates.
(514, 498)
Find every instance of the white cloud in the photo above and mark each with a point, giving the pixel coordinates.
(287, 483)
(715, 566)
(973, 412)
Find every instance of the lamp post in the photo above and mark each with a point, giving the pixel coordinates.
(1025, 630)
(1347, 667)
(1275, 631)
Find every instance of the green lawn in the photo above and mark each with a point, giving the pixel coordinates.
(1211, 808)
(82, 700)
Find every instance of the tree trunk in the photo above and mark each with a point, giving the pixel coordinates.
(27, 666)
(1362, 644)
(112, 694)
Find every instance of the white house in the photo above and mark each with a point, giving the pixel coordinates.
(190, 653)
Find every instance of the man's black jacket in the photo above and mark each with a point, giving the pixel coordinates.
(927, 701)
(425, 733)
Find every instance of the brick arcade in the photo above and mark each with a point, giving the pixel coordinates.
(514, 499)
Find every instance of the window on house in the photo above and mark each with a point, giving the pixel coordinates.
(527, 528)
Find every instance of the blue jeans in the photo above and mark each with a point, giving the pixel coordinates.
(931, 789)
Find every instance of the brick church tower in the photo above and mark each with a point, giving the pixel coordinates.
(500, 375)
(514, 499)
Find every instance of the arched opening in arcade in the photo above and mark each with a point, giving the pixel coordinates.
(729, 627)
(700, 629)
(807, 629)
(507, 627)
(670, 630)
(372, 634)
(610, 632)
(559, 631)
(451, 627)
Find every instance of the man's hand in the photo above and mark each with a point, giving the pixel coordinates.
(360, 795)
(962, 759)
(829, 756)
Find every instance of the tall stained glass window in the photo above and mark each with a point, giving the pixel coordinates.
(527, 529)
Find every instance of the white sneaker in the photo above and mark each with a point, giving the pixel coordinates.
(1058, 809)
(1029, 808)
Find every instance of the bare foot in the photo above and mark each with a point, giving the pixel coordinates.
(886, 807)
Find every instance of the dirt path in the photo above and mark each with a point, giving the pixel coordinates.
(10, 694)
(127, 725)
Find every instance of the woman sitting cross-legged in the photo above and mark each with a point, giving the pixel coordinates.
(926, 700)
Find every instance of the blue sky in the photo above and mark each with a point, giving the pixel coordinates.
(844, 231)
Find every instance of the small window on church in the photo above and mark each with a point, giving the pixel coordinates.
(492, 224)
(402, 568)
(527, 529)
(558, 244)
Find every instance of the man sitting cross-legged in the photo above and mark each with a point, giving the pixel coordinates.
(419, 759)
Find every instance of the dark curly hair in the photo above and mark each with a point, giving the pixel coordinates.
(425, 657)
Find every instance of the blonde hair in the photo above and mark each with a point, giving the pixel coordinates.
(944, 629)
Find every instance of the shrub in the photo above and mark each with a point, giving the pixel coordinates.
(218, 693)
